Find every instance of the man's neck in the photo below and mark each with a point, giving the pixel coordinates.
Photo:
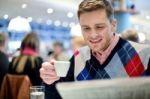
(103, 55)
(108, 44)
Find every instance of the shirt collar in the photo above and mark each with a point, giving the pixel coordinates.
(104, 55)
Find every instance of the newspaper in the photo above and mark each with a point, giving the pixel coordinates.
(122, 88)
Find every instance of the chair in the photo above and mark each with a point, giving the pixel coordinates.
(15, 87)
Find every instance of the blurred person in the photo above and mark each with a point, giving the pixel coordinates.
(4, 62)
(58, 53)
(77, 42)
(50, 52)
(28, 62)
(135, 36)
(106, 55)
(131, 35)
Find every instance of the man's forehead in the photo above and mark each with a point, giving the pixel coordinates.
(96, 24)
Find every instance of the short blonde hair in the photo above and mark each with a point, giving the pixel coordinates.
(92, 5)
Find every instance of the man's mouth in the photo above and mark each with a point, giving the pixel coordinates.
(95, 41)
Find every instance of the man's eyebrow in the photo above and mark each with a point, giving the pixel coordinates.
(100, 24)
(84, 26)
(95, 24)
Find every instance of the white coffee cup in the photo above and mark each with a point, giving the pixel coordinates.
(61, 68)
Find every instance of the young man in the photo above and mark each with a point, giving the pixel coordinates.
(106, 56)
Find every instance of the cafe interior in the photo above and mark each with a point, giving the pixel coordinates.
(56, 22)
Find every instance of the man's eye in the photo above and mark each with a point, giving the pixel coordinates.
(100, 27)
(85, 28)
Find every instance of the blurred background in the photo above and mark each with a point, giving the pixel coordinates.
(56, 20)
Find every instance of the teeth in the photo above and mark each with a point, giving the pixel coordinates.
(95, 41)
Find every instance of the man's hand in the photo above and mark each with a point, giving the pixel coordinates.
(47, 72)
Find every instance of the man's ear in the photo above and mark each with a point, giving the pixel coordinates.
(114, 25)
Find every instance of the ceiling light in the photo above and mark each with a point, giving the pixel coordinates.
(57, 23)
(49, 22)
(24, 6)
(19, 24)
(69, 14)
(72, 24)
(50, 10)
(6, 16)
(65, 24)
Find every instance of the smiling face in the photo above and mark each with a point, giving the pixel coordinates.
(97, 29)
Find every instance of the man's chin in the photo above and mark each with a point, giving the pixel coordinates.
(95, 49)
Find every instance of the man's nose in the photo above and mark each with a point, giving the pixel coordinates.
(94, 33)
